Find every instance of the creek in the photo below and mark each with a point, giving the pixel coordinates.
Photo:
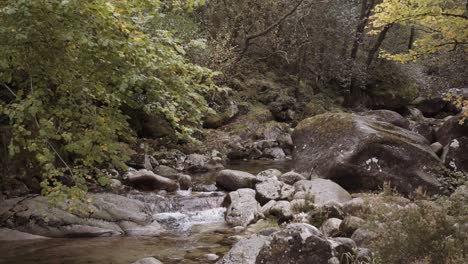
(195, 224)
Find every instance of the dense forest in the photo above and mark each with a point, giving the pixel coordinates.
(303, 131)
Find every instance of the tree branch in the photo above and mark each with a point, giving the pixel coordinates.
(270, 28)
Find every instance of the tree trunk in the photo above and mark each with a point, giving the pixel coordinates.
(377, 45)
(355, 93)
(411, 38)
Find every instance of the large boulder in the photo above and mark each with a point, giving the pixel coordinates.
(360, 153)
(322, 191)
(106, 215)
(243, 209)
(450, 130)
(455, 154)
(245, 251)
(232, 180)
(273, 189)
(148, 181)
(298, 243)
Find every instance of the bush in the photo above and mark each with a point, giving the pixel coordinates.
(425, 232)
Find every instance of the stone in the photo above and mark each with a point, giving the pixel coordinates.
(360, 153)
(232, 180)
(143, 161)
(185, 181)
(245, 251)
(322, 191)
(331, 227)
(268, 174)
(298, 243)
(291, 177)
(364, 255)
(115, 184)
(350, 224)
(273, 190)
(243, 209)
(149, 181)
(167, 172)
(112, 215)
(274, 153)
(437, 148)
(281, 210)
(211, 257)
(430, 107)
(343, 246)
(363, 237)
(148, 260)
(201, 163)
(450, 130)
(455, 154)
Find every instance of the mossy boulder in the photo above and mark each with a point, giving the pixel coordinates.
(361, 153)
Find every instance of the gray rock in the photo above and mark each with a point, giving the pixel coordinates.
(291, 177)
(268, 174)
(115, 184)
(364, 255)
(273, 190)
(274, 153)
(455, 154)
(350, 224)
(243, 209)
(112, 215)
(167, 172)
(361, 153)
(143, 161)
(437, 148)
(185, 181)
(148, 181)
(211, 257)
(331, 227)
(450, 130)
(245, 251)
(343, 246)
(201, 163)
(363, 237)
(281, 210)
(232, 180)
(149, 260)
(323, 191)
(298, 243)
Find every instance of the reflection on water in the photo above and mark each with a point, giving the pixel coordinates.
(187, 248)
(198, 230)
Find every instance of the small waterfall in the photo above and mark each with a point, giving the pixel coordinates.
(182, 211)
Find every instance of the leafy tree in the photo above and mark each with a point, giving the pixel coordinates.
(67, 67)
(442, 26)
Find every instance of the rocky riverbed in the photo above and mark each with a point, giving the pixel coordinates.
(352, 179)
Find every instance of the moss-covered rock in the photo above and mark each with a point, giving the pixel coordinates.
(361, 153)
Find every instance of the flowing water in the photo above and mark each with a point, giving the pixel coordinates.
(195, 222)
